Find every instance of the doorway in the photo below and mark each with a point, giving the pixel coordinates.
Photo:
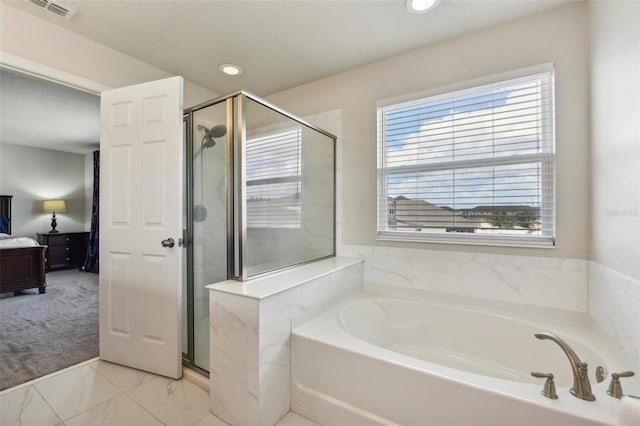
(48, 135)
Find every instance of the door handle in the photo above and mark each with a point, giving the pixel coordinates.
(169, 242)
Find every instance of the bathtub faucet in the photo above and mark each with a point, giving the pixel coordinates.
(581, 385)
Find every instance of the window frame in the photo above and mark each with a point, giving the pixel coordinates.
(546, 159)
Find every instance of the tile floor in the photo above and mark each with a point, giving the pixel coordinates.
(102, 393)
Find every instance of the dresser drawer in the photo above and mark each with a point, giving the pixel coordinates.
(59, 240)
(67, 240)
(57, 260)
(59, 250)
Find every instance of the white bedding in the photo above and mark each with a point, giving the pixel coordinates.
(7, 241)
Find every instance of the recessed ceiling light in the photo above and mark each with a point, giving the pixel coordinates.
(421, 6)
(230, 69)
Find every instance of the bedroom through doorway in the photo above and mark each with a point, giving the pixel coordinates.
(49, 168)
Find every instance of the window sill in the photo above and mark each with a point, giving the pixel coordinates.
(499, 241)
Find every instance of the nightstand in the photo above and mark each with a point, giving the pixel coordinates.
(65, 250)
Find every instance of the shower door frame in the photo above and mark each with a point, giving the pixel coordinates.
(188, 358)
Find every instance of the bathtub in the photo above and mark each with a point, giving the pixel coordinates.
(378, 360)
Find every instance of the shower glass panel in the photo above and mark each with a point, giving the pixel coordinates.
(207, 252)
(289, 191)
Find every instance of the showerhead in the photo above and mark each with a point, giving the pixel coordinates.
(218, 131)
(208, 140)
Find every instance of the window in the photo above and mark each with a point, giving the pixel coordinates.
(470, 166)
(273, 170)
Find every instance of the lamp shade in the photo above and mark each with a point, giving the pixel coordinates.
(50, 206)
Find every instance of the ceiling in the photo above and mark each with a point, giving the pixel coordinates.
(279, 44)
(42, 114)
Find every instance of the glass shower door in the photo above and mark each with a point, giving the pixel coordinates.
(207, 251)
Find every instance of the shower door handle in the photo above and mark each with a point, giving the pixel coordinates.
(169, 242)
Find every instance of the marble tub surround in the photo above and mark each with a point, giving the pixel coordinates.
(539, 281)
(269, 285)
(614, 305)
(479, 304)
(250, 335)
(233, 354)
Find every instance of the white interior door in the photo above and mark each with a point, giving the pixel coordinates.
(141, 183)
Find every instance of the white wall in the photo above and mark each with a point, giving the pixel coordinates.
(559, 36)
(35, 39)
(32, 175)
(614, 273)
(615, 112)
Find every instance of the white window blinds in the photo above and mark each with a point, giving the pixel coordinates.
(473, 166)
(273, 169)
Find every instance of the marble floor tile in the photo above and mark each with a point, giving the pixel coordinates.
(173, 402)
(75, 391)
(119, 411)
(210, 420)
(124, 378)
(293, 419)
(87, 395)
(25, 406)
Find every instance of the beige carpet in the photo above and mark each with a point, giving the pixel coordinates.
(43, 333)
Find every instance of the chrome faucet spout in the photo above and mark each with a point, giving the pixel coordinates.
(581, 385)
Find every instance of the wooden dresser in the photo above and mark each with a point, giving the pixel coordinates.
(65, 250)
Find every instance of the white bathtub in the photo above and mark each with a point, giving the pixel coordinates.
(378, 360)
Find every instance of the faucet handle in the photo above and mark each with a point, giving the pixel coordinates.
(549, 389)
(615, 389)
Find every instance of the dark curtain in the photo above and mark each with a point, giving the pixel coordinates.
(4, 224)
(91, 261)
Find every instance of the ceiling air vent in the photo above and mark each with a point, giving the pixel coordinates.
(54, 7)
(41, 3)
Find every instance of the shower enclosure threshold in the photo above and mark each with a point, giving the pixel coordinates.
(196, 378)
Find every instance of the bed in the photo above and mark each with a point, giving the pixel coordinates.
(22, 260)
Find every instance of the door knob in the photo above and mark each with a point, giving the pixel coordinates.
(169, 242)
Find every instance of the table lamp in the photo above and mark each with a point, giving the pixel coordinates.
(53, 206)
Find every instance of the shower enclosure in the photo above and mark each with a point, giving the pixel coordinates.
(260, 197)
